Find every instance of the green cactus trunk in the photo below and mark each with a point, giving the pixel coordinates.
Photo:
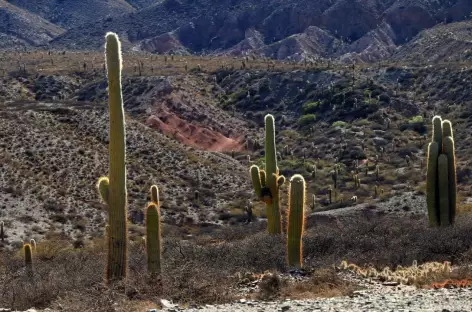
(296, 221)
(117, 195)
(432, 183)
(449, 151)
(28, 259)
(443, 182)
(153, 239)
(272, 178)
(437, 131)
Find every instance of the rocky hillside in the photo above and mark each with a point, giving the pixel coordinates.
(21, 28)
(346, 29)
(70, 13)
(185, 117)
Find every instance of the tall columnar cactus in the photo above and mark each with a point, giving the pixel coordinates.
(153, 234)
(441, 181)
(28, 259)
(267, 183)
(2, 233)
(334, 176)
(296, 221)
(113, 188)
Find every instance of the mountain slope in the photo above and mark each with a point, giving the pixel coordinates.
(378, 26)
(24, 28)
(444, 42)
(72, 13)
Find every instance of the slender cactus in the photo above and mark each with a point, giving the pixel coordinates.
(432, 183)
(443, 183)
(153, 238)
(2, 233)
(113, 188)
(296, 221)
(449, 151)
(33, 243)
(28, 259)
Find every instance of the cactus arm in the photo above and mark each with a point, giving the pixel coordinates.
(256, 179)
(449, 151)
(262, 174)
(103, 186)
(117, 200)
(447, 129)
(431, 183)
(443, 181)
(153, 238)
(437, 131)
(296, 221)
(155, 195)
(280, 181)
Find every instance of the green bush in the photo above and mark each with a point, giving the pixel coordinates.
(416, 119)
(306, 120)
(339, 123)
(310, 107)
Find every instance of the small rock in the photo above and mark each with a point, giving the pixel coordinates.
(242, 300)
(166, 304)
(285, 308)
(390, 283)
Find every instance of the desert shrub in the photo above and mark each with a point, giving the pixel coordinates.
(310, 107)
(416, 119)
(306, 120)
(339, 123)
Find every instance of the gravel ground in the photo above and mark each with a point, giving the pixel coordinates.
(406, 299)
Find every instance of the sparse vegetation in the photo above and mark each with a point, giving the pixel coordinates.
(362, 150)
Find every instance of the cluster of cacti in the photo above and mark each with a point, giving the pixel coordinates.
(153, 233)
(295, 221)
(113, 188)
(267, 183)
(441, 182)
(401, 275)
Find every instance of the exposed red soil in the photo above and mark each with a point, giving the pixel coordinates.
(453, 284)
(199, 137)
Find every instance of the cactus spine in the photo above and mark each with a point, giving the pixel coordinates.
(267, 183)
(113, 188)
(28, 259)
(153, 233)
(441, 181)
(296, 221)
